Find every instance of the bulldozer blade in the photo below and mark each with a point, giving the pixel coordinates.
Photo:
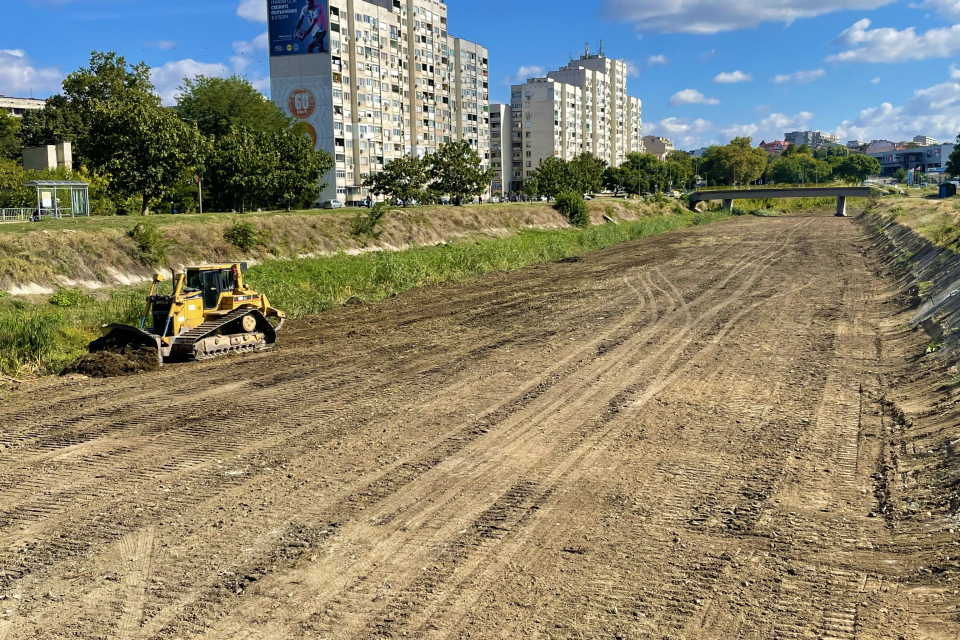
(121, 338)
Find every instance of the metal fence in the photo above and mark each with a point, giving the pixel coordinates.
(16, 215)
(25, 215)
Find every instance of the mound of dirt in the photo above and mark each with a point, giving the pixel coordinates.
(111, 364)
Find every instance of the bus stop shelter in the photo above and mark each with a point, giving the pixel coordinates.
(61, 198)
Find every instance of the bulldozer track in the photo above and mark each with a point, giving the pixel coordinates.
(674, 437)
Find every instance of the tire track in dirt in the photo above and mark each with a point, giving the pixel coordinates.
(137, 548)
(510, 445)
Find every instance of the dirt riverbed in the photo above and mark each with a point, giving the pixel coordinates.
(686, 436)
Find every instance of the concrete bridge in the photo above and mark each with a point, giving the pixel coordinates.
(840, 193)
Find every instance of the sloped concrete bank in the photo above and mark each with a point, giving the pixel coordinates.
(928, 278)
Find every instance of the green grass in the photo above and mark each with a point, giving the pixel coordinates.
(41, 338)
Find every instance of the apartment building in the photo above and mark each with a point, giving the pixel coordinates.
(388, 80)
(16, 107)
(811, 138)
(581, 107)
(500, 158)
(658, 146)
(925, 141)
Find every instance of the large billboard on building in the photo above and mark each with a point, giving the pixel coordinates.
(298, 27)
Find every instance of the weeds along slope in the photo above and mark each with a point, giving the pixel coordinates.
(935, 220)
(41, 338)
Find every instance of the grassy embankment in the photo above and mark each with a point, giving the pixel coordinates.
(934, 219)
(41, 338)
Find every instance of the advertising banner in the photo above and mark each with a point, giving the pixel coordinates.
(298, 27)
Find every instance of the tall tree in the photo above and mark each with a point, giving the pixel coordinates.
(741, 162)
(615, 179)
(241, 168)
(10, 146)
(551, 177)
(798, 169)
(299, 169)
(953, 162)
(586, 173)
(217, 104)
(144, 148)
(457, 172)
(856, 169)
(402, 179)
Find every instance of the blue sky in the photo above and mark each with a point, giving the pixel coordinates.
(706, 70)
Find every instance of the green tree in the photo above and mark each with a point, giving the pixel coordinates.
(953, 162)
(296, 179)
(10, 146)
(586, 173)
(144, 148)
(646, 173)
(404, 178)
(552, 177)
(457, 172)
(856, 169)
(108, 80)
(798, 169)
(794, 150)
(241, 168)
(615, 179)
(742, 163)
(217, 104)
(901, 175)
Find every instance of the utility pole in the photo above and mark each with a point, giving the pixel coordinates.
(200, 190)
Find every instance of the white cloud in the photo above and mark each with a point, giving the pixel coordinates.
(706, 55)
(170, 76)
(713, 16)
(948, 8)
(732, 77)
(890, 45)
(524, 72)
(770, 128)
(244, 51)
(762, 108)
(876, 80)
(676, 125)
(954, 72)
(163, 45)
(18, 77)
(632, 69)
(691, 96)
(934, 111)
(253, 10)
(659, 59)
(800, 77)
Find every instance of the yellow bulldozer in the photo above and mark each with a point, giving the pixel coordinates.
(211, 312)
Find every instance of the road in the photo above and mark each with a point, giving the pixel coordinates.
(671, 438)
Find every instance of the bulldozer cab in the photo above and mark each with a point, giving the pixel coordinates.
(212, 282)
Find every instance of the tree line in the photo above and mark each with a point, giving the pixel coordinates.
(137, 154)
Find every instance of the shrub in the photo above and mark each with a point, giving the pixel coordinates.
(69, 298)
(244, 235)
(152, 243)
(365, 223)
(573, 206)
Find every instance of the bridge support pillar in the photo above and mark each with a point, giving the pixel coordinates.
(841, 206)
(728, 205)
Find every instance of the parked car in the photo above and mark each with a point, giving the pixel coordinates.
(332, 204)
(587, 196)
(495, 199)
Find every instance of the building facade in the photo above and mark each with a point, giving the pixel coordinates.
(931, 159)
(925, 141)
(392, 82)
(581, 107)
(500, 159)
(658, 146)
(17, 106)
(811, 138)
(774, 148)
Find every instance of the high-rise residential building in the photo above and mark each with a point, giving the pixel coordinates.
(376, 80)
(500, 160)
(925, 141)
(581, 107)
